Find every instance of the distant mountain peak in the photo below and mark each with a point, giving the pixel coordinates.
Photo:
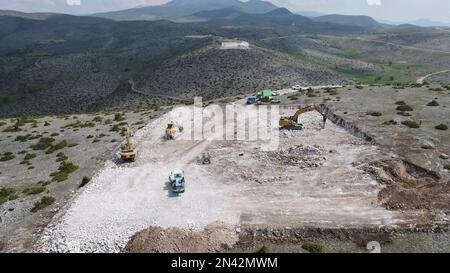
(280, 12)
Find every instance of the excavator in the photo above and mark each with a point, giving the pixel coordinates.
(171, 130)
(291, 122)
(128, 153)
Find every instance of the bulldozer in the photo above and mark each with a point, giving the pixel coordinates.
(171, 130)
(292, 123)
(128, 153)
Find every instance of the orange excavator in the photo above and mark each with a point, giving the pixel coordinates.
(292, 123)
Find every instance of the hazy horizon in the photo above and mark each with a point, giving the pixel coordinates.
(390, 10)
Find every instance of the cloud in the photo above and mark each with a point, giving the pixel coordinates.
(374, 2)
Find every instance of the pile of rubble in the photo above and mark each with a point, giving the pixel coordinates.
(301, 156)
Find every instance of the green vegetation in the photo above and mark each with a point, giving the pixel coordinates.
(433, 103)
(7, 194)
(390, 122)
(43, 203)
(400, 102)
(25, 138)
(7, 156)
(263, 250)
(56, 147)
(404, 114)
(443, 127)
(43, 144)
(411, 124)
(61, 157)
(447, 166)
(63, 172)
(404, 108)
(84, 181)
(118, 117)
(312, 247)
(375, 114)
(34, 190)
(29, 157)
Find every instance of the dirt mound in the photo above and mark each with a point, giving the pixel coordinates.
(409, 186)
(213, 238)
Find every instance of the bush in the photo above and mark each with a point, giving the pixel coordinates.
(312, 247)
(43, 144)
(375, 114)
(29, 157)
(7, 156)
(63, 172)
(447, 167)
(443, 127)
(400, 102)
(43, 203)
(84, 181)
(404, 108)
(7, 194)
(405, 114)
(390, 122)
(118, 117)
(58, 146)
(263, 249)
(433, 103)
(34, 190)
(411, 124)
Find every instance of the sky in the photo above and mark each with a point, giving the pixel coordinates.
(392, 10)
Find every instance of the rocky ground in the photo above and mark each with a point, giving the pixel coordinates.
(258, 189)
(82, 142)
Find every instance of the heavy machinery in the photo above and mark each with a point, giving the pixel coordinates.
(251, 100)
(291, 122)
(172, 130)
(128, 153)
(177, 181)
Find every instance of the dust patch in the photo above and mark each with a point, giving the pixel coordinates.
(215, 237)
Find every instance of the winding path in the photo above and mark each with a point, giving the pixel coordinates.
(421, 80)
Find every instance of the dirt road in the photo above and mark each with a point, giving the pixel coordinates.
(421, 80)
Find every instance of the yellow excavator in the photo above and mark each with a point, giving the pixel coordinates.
(291, 122)
(171, 130)
(128, 153)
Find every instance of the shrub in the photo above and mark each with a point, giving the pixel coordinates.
(443, 127)
(375, 114)
(29, 157)
(400, 102)
(43, 203)
(118, 117)
(433, 103)
(411, 124)
(447, 167)
(63, 172)
(58, 146)
(390, 122)
(7, 194)
(404, 108)
(263, 249)
(312, 247)
(34, 190)
(7, 156)
(405, 114)
(43, 144)
(84, 181)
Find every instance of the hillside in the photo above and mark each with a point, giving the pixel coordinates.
(350, 20)
(177, 9)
